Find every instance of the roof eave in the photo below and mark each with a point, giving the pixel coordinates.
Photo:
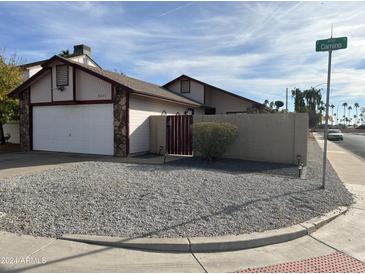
(222, 90)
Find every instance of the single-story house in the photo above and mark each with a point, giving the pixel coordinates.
(73, 105)
(215, 100)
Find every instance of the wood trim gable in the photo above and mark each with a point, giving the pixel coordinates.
(183, 76)
(165, 99)
(91, 72)
(71, 102)
(74, 82)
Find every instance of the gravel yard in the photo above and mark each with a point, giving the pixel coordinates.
(175, 200)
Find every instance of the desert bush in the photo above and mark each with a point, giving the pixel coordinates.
(212, 139)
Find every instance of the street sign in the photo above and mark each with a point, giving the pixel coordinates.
(331, 44)
(328, 45)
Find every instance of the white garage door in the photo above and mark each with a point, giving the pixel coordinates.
(79, 129)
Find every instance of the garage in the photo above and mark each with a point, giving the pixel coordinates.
(74, 128)
(69, 106)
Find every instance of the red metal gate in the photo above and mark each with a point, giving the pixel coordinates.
(179, 134)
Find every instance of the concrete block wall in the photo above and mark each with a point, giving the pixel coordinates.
(272, 137)
(157, 134)
(13, 129)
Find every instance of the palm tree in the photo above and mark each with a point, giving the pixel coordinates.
(65, 53)
(350, 108)
(356, 105)
(321, 109)
(344, 109)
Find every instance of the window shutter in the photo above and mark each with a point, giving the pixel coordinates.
(62, 75)
(185, 86)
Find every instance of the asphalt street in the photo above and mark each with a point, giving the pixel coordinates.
(354, 142)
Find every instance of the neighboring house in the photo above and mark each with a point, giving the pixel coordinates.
(81, 54)
(69, 106)
(215, 100)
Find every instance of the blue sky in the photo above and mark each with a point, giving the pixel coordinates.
(255, 49)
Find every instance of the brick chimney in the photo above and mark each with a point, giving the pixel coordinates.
(82, 49)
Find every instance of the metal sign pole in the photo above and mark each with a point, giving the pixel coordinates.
(286, 100)
(326, 119)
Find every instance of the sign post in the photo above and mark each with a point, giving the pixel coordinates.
(328, 45)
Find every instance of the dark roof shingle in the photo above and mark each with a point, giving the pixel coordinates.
(137, 85)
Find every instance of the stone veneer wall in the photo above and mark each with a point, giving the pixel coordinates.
(120, 122)
(25, 121)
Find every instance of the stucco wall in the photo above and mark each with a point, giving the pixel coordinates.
(266, 137)
(89, 87)
(40, 91)
(12, 128)
(196, 90)
(140, 109)
(157, 134)
(224, 103)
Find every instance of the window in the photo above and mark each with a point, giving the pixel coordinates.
(62, 75)
(209, 111)
(185, 86)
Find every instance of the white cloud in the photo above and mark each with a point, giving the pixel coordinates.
(256, 48)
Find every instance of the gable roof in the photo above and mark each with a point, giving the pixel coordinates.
(221, 90)
(133, 85)
(41, 62)
(37, 63)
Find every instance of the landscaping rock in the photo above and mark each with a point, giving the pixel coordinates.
(129, 200)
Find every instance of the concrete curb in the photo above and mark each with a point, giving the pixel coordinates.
(212, 244)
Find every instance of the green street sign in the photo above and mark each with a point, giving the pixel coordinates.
(331, 44)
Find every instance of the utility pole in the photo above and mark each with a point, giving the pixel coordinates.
(286, 100)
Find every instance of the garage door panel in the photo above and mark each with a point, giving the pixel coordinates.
(79, 129)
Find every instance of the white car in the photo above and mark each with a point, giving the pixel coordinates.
(334, 134)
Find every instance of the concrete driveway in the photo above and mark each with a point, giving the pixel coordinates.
(22, 163)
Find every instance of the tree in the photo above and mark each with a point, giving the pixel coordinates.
(321, 109)
(10, 78)
(313, 98)
(344, 109)
(299, 104)
(278, 104)
(266, 102)
(356, 105)
(308, 101)
(65, 53)
(350, 108)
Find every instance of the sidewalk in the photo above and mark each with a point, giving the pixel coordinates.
(349, 167)
(346, 233)
(342, 238)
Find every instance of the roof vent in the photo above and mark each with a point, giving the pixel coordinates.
(82, 49)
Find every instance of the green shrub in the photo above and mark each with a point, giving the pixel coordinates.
(212, 139)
